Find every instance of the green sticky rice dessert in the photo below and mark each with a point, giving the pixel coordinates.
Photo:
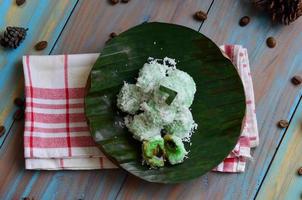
(158, 102)
(158, 113)
(183, 84)
(141, 127)
(130, 98)
(182, 125)
(150, 75)
(153, 151)
(175, 150)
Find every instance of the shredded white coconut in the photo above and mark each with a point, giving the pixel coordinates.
(154, 112)
(171, 62)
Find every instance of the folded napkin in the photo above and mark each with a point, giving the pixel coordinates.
(56, 134)
(249, 138)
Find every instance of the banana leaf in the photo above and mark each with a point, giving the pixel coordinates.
(218, 107)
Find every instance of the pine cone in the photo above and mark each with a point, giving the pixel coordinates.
(13, 36)
(283, 11)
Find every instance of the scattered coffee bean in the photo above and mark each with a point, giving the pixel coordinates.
(20, 2)
(283, 123)
(244, 21)
(113, 2)
(125, 1)
(300, 171)
(200, 15)
(297, 80)
(113, 35)
(19, 114)
(19, 102)
(271, 42)
(2, 130)
(41, 45)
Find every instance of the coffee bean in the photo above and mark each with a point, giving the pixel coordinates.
(300, 171)
(297, 80)
(244, 21)
(20, 2)
(125, 1)
(113, 2)
(200, 15)
(113, 35)
(41, 45)
(271, 42)
(283, 123)
(19, 102)
(19, 114)
(2, 130)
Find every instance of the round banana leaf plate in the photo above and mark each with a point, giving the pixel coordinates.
(218, 107)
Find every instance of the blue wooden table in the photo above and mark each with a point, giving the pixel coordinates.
(83, 26)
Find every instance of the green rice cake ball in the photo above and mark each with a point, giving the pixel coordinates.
(141, 128)
(158, 114)
(153, 151)
(183, 124)
(174, 149)
(183, 84)
(150, 75)
(130, 97)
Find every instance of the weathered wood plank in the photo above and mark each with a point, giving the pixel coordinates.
(87, 31)
(45, 20)
(282, 180)
(91, 25)
(275, 96)
(16, 182)
(104, 19)
(271, 68)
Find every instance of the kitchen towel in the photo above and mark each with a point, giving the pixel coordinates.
(249, 138)
(56, 134)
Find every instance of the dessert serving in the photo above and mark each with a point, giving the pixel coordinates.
(164, 103)
(158, 107)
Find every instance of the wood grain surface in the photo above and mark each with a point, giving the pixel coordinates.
(90, 25)
(87, 30)
(282, 180)
(272, 70)
(219, 97)
(45, 20)
(16, 182)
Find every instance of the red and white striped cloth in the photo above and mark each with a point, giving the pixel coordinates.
(236, 160)
(56, 134)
